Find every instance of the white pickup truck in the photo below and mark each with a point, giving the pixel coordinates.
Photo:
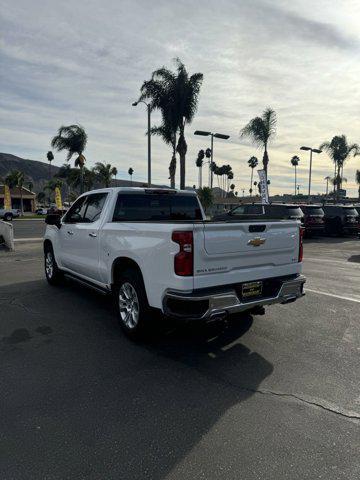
(153, 248)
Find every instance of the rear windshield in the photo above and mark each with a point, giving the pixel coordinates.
(156, 207)
(350, 212)
(314, 211)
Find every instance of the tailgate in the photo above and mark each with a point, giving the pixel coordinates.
(227, 253)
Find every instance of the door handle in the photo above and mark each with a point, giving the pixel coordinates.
(70, 232)
(92, 235)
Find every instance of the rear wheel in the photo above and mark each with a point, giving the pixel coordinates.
(8, 217)
(52, 272)
(131, 302)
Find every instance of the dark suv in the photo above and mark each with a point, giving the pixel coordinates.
(341, 219)
(255, 211)
(313, 219)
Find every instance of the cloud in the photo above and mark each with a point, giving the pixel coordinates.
(85, 63)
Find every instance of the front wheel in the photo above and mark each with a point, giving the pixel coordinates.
(8, 217)
(52, 272)
(132, 306)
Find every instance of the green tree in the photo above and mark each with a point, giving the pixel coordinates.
(30, 186)
(51, 185)
(104, 173)
(357, 180)
(261, 130)
(206, 197)
(72, 138)
(85, 178)
(253, 163)
(339, 150)
(16, 178)
(295, 162)
(176, 95)
(199, 163)
(41, 196)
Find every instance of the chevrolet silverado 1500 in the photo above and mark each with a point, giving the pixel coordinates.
(153, 248)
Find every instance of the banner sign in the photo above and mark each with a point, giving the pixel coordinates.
(7, 198)
(58, 198)
(263, 187)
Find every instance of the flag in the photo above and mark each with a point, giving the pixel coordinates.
(58, 198)
(7, 198)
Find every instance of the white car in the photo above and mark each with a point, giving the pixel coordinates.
(9, 214)
(153, 248)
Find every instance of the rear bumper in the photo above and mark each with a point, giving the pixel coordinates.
(216, 304)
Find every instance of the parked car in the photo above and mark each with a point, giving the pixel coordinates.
(9, 214)
(276, 211)
(41, 211)
(313, 219)
(153, 248)
(341, 219)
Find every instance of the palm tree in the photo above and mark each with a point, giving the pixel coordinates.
(52, 184)
(168, 134)
(230, 176)
(206, 197)
(208, 156)
(130, 172)
(72, 138)
(261, 130)
(328, 179)
(199, 164)
(104, 173)
(16, 178)
(339, 150)
(50, 157)
(253, 163)
(176, 95)
(357, 180)
(64, 173)
(295, 162)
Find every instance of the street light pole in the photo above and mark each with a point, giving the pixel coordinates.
(148, 107)
(315, 150)
(212, 135)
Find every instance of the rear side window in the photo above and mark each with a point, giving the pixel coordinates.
(351, 212)
(318, 211)
(156, 207)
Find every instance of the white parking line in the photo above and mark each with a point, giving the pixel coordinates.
(30, 239)
(349, 299)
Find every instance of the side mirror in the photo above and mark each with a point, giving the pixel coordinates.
(53, 219)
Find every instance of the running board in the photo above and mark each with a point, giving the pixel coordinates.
(86, 283)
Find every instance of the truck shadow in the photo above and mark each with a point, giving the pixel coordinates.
(128, 410)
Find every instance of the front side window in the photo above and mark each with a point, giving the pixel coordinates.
(76, 211)
(94, 206)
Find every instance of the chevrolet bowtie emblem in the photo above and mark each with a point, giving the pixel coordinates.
(256, 242)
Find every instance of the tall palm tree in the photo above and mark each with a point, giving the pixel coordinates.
(131, 172)
(261, 130)
(168, 134)
(176, 95)
(104, 172)
(253, 163)
(328, 179)
(230, 176)
(339, 150)
(199, 164)
(85, 178)
(72, 138)
(64, 173)
(295, 162)
(50, 158)
(357, 180)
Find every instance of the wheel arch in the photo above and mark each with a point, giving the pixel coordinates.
(121, 264)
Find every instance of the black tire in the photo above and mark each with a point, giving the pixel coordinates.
(133, 317)
(53, 274)
(8, 217)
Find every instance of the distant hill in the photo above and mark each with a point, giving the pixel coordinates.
(34, 171)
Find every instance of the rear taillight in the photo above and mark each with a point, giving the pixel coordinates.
(301, 248)
(183, 261)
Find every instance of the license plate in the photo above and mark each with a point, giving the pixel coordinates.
(251, 289)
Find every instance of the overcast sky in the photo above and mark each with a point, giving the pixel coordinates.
(84, 62)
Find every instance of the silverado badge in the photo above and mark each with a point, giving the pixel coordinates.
(257, 241)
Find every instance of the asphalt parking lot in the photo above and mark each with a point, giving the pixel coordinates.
(270, 397)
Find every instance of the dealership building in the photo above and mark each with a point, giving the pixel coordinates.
(28, 198)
